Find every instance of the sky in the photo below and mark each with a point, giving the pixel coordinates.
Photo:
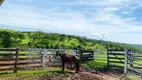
(110, 20)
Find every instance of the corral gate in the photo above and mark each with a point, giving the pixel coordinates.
(115, 58)
(129, 60)
(133, 64)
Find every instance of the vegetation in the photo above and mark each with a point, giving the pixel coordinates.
(30, 75)
(96, 65)
(38, 39)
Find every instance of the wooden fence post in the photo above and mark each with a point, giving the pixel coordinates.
(16, 60)
(123, 77)
(94, 55)
(131, 60)
(107, 59)
(126, 62)
(43, 61)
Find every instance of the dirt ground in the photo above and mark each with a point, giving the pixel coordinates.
(83, 76)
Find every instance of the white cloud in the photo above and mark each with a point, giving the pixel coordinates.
(64, 19)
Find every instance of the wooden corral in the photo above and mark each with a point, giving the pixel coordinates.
(28, 59)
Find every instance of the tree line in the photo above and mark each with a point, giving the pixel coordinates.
(38, 39)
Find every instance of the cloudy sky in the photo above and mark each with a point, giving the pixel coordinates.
(111, 20)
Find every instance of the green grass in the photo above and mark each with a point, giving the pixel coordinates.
(99, 63)
(96, 64)
(30, 74)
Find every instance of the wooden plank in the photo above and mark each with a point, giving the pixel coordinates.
(7, 49)
(29, 58)
(131, 53)
(87, 51)
(138, 68)
(135, 64)
(87, 56)
(137, 55)
(29, 54)
(29, 66)
(112, 65)
(7, 59)
(115, 58)
(55, 62)
(7, 54)
(122, 52)
(116, 54)
(4, 69)
(135, 59)
(135, 70)
(7, 64)
(49, 58)
(33, 67)
(87, 59)
(50, 54)
(103, 59)
(23, 63)
(116, 50)
(20, 63)
(116, 62)
(22, 54)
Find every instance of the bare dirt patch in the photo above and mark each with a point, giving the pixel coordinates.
(83, 76)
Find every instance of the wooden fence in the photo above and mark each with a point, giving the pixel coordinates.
(16, 59)
(116, 58)
(86, 55)
(27, 59)
(133, 63)
(127, 60)
(8, 59)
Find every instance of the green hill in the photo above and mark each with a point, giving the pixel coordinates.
(37, 39)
